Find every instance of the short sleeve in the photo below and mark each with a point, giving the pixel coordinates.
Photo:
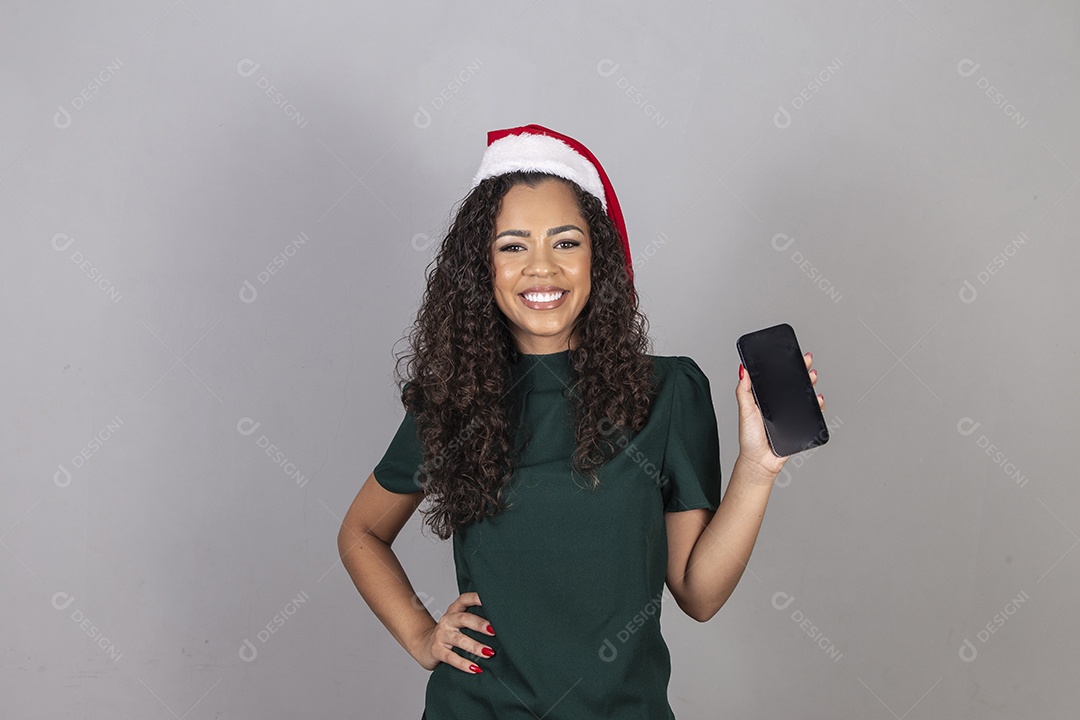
(401, 468)
(691, 467)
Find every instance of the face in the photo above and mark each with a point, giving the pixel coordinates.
(542, 257)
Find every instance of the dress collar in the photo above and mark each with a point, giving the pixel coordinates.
(542, 372)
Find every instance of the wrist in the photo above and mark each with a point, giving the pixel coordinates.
(754, 472)
(416, 644)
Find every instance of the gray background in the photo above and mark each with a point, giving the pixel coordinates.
(216, 224)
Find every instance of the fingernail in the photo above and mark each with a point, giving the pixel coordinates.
(821, 396)
(475, 669)
(740, 371)
(491, 630)
(810, 355)
(488, 651)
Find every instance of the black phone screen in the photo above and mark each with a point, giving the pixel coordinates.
(783, 390)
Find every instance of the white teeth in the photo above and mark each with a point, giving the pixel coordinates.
(543, 297)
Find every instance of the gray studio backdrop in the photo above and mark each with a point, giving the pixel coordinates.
(216, 223)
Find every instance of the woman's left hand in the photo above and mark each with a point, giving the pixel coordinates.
(753, 442)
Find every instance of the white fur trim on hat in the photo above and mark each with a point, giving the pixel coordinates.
(540, 153)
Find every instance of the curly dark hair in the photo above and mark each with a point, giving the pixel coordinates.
(458, 368)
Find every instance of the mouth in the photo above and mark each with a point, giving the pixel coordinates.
(546, 300)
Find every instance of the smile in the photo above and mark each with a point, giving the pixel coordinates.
(544, 300)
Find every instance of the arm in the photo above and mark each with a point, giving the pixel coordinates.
(707, 552)
(371, 524)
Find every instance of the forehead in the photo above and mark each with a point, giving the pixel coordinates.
(551, 199)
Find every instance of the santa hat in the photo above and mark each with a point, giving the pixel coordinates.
(536, 148)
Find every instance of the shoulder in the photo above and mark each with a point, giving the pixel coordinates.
(671, 369)
(681, 386)
(412, 398)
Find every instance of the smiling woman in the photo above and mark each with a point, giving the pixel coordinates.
(541, 275)
(575, 471)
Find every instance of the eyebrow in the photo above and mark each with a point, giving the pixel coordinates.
(551, 231)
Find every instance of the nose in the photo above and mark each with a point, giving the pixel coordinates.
(540, 261)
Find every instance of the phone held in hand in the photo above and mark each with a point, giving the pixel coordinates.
(783, 390)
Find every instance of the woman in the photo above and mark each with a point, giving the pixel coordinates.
(575, 472)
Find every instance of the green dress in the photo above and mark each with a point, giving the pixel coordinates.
(572, 580)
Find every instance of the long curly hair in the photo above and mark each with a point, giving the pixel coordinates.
(458, 368)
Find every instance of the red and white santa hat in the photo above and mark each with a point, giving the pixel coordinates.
(536, 148)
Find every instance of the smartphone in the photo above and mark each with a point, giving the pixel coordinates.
(783, 390)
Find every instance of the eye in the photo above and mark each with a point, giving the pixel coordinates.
(513, 247)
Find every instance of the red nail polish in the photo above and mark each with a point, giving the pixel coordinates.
(491, 630)
(488, 651)
(475, 669)
(740, 371)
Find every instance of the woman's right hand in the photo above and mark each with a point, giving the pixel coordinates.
(436, 644)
